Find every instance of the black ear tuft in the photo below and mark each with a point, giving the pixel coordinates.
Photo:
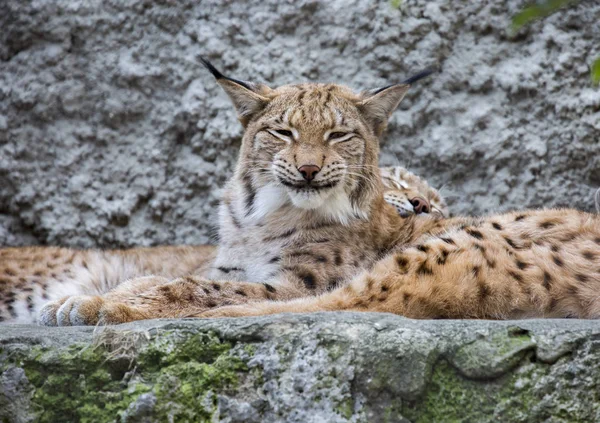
(218, 75)
(211, 68)
(423, 74)
(247, 97)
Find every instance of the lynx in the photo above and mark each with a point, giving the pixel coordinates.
(410, 194)
(305, 227)
(30, 277)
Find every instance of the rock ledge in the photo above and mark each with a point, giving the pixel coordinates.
(325, 367)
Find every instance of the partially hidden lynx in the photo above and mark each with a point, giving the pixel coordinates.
(305, 226)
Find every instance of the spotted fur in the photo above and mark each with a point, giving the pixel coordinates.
(542, 263)
(31, 277)
(334, 243)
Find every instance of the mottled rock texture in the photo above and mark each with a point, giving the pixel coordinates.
(111, 134)
(336, 367)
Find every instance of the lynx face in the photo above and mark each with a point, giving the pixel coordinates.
(314, 146)
(410, 194)
(317, 147)
(313, 142)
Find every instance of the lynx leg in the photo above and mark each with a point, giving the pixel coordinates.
(79, 310)
(154, 297)
(356, 296)
(417, 297)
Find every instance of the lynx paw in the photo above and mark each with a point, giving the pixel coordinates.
(71, 311)
(82, 310)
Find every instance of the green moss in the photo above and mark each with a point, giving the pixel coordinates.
(77, 384)
(345, 408)
(168, 350)
(86, 384)
(452, 398)
(189, 374)
(192, 385)
(249, 349)
(494, 355)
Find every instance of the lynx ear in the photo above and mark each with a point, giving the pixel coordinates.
(378, 105)
(248, 98)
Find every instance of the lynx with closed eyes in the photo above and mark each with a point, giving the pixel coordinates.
(307, 223)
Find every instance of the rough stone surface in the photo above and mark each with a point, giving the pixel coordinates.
(112, 135)
(336, 367)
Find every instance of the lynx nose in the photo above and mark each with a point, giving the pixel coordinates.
(309, 171)
(420, 204)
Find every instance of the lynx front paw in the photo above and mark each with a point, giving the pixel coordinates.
(85, 310)
(77, 310)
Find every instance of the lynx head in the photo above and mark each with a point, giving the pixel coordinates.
(314, 146)
(410, 194)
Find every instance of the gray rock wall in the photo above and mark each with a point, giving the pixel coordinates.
(111, 134)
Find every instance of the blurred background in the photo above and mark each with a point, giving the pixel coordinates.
(112, 134)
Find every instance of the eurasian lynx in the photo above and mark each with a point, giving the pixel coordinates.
(304, 217)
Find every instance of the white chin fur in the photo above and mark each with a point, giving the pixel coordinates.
(332, 204)
(308, 200)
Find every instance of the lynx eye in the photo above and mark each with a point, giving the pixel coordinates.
(283, 132)
(339, 136)
(336, 135)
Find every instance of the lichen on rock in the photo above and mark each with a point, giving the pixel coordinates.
(334, 367)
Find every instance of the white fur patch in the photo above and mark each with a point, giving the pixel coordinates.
(268, 199)
(332, 204)
(308, 200)
(339, 208)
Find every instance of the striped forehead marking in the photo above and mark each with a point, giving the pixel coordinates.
(315, 107)
(339, 119)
